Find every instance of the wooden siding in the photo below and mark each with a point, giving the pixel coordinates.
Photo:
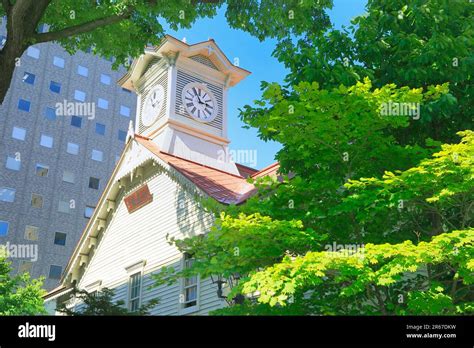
(141, 235)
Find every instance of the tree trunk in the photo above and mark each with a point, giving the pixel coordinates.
(8, 58)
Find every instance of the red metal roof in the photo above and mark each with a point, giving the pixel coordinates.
(224, 187)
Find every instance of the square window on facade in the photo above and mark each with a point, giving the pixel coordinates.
(13, 163)
(79, 95)
(46, 141)
(103, 103)
(42, 28)
(55, 272)
(97, 155)
(36, 200)
(124, 111)
(68, 176)
(72, 148)
(4, 225)
(82, 70)
(64, 207)
(33, 52)
(7, 194)
(105, 79)
(29, 78)
(60, 238)
(76, 121)
(88, 211)
(100, 128)
(25, 267)
(58, 61)
(24, 105)
(122, 135)
(31, 232)
(55, 87)
(50, 113)
(19, 133)
(94, 183)
(3, 40)
(41, 169)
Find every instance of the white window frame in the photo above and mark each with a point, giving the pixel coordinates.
(132, 270)
(182, 294)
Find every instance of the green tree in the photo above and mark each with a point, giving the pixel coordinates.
(121, 28)
(19, 294)
(101, 303)
(414, 43)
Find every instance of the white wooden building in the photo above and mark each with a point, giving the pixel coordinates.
(176, 152)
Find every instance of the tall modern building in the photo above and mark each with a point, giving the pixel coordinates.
(63, 125)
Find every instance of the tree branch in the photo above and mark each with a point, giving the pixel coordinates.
(81, 28)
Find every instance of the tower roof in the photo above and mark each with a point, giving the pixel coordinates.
(171, 48)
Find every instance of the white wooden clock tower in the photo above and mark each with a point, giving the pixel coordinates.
(182, 99)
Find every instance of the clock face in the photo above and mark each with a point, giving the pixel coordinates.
(199, 102)
(153, 104)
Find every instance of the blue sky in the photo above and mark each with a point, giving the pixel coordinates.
(256, 57)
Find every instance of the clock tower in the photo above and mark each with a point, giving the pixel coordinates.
(182, 99)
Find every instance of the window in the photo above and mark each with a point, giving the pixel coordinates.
(190, 285)
(3, 40)
(50, 114)
(55, 87)
(72, 148)
(76, 121)
(55, 272)
(124, 111)
(134, 290)
(88, 211)
(25, 266)
(36, 200)
(63, 207)
(97, 155)
(100, 128)
(46, 141)
(82, 70)
(41, 169)
(31, 232)
(24, 105)
(105, 79)
(42, 28)
(29, 78)
(33, 52)
(68, 176)
(122, 135)
(58, 61)
(60, 238)
(13, 163)
(103, 104)
(7, 194)
(94, 183)
(18, 133)
(4, 228)
(79, 95)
